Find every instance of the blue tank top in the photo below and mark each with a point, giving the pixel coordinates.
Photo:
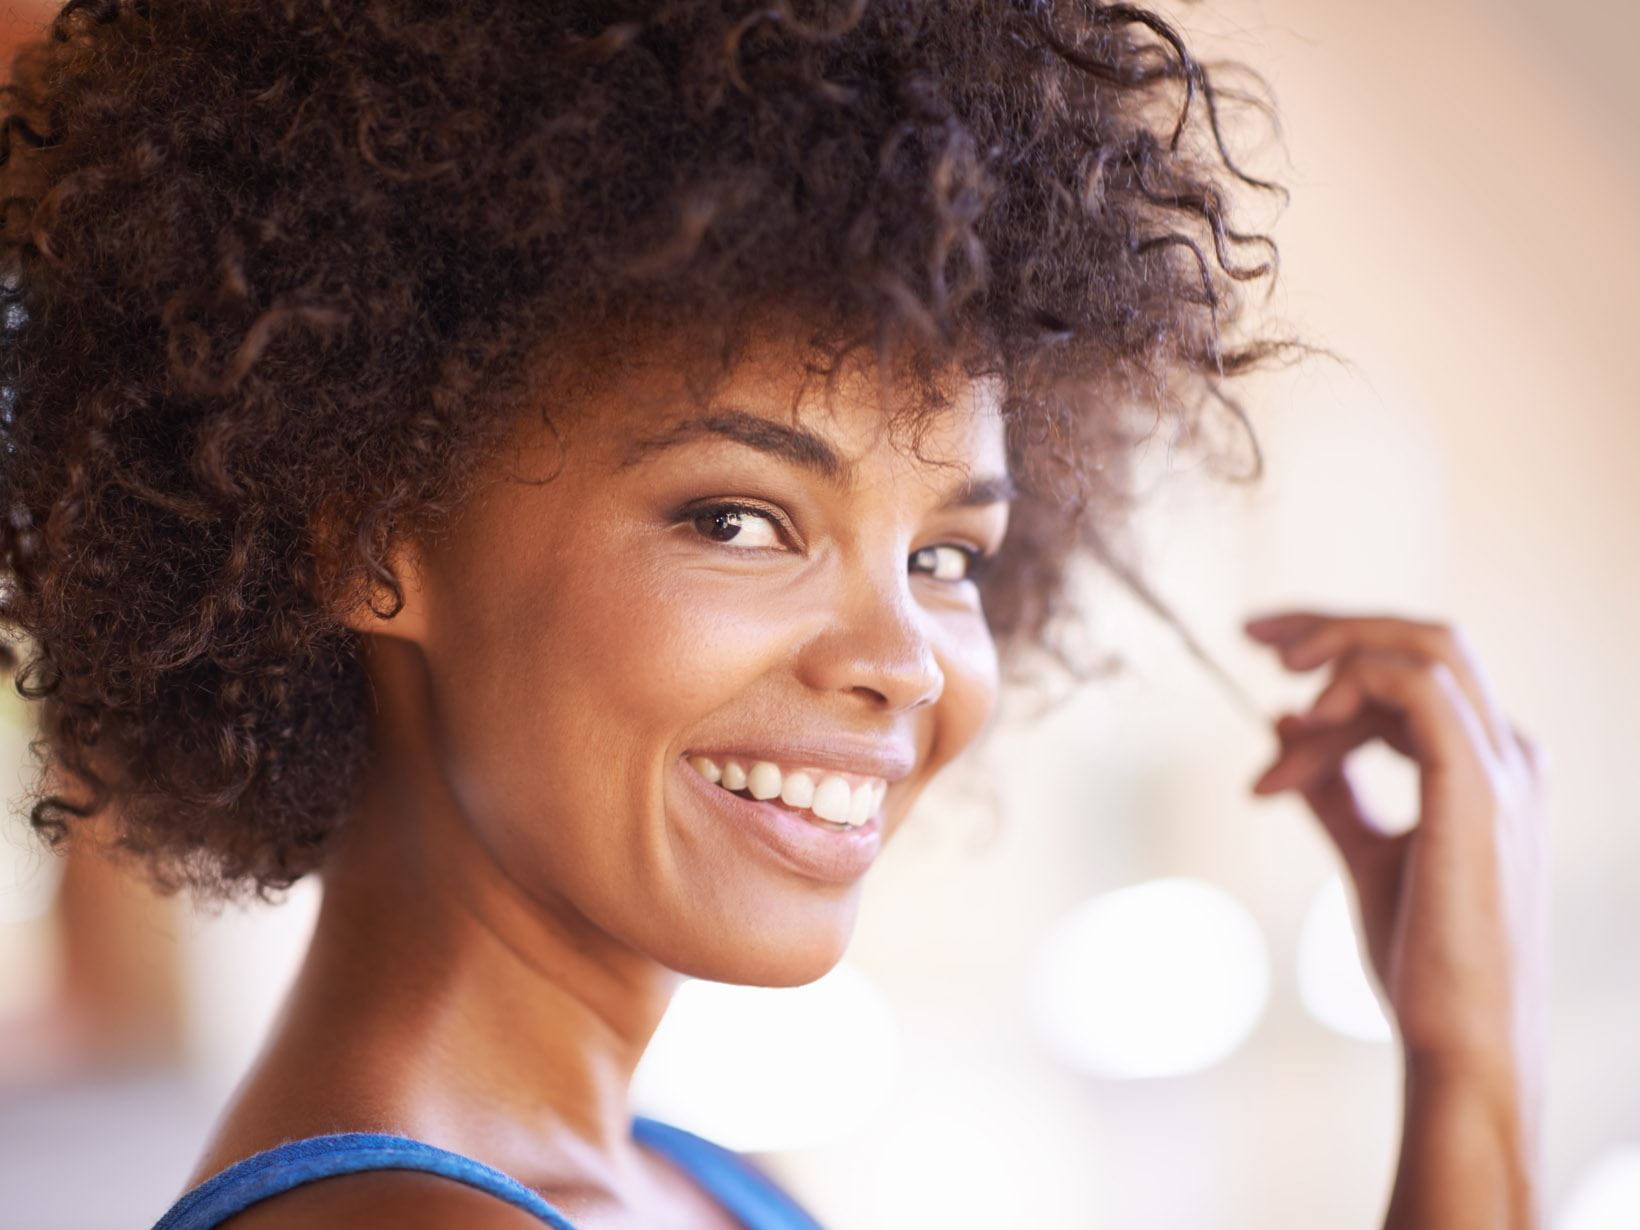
(741, 1188)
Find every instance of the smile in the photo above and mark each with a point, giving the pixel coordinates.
(841, 800)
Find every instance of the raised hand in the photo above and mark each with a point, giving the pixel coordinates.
(1453, 913)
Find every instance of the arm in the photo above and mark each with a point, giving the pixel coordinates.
(1452, 914)
(1467, 1157)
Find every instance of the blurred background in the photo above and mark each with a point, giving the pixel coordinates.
(1095, 982)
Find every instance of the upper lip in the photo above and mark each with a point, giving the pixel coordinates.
(876, 758)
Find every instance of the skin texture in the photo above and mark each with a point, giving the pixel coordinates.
(528, 874)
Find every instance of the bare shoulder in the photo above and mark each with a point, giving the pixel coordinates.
(400, 1199)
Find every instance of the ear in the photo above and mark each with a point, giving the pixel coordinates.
(381, 596)
(400, 584)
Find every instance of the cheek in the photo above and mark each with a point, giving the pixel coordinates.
(971, 687)
(577, 684)
(666, 649)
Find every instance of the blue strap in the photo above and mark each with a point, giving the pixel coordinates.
(745, 1191)
(296, 1162)
(738, 1185)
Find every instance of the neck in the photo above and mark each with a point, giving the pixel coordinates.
(438, 999)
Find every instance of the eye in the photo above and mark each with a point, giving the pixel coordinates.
(949, 562)
(741, 524)
(751, 528)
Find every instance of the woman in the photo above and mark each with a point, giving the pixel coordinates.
(570, 475)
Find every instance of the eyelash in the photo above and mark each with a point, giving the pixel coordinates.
(978, 561)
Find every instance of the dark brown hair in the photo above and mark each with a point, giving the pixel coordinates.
(277, 273)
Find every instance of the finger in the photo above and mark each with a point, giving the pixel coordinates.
(1445, 735)
(1309, 640)
(1314, 763)
(1309, 751)
(1280, 627)
(1371, 856)
(1337, 701)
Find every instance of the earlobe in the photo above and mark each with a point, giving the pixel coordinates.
(394, 601)
(378, 595)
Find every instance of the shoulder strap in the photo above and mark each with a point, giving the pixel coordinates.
(296, 1162)
(746, 1191)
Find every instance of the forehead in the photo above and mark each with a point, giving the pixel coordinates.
(779, 398)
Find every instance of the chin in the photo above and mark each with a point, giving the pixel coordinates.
(787, 947)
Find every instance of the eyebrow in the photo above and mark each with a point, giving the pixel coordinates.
(801, 448)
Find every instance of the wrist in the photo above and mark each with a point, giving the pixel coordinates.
(1491, 1075)
(1493, 1080)
(1468, 1119)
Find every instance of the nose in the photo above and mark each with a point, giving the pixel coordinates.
(876, 645)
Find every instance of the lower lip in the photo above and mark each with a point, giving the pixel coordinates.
(837, 856)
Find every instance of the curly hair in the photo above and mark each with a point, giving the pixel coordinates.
(278, 272)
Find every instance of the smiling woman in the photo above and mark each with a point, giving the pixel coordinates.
(570, 475)
(784, 598)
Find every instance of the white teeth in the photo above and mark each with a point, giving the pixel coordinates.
(797, 790)
(860, 803)
(763, 780)
(831, 799)
(827, 795)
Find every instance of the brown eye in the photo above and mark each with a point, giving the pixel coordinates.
(743, 526)
(947, 562)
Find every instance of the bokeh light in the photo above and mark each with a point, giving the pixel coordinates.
(1158, 979)
(759, 1069)
(1607, 1197)
(1333, 983)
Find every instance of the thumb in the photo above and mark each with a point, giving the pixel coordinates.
(1317, 758)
